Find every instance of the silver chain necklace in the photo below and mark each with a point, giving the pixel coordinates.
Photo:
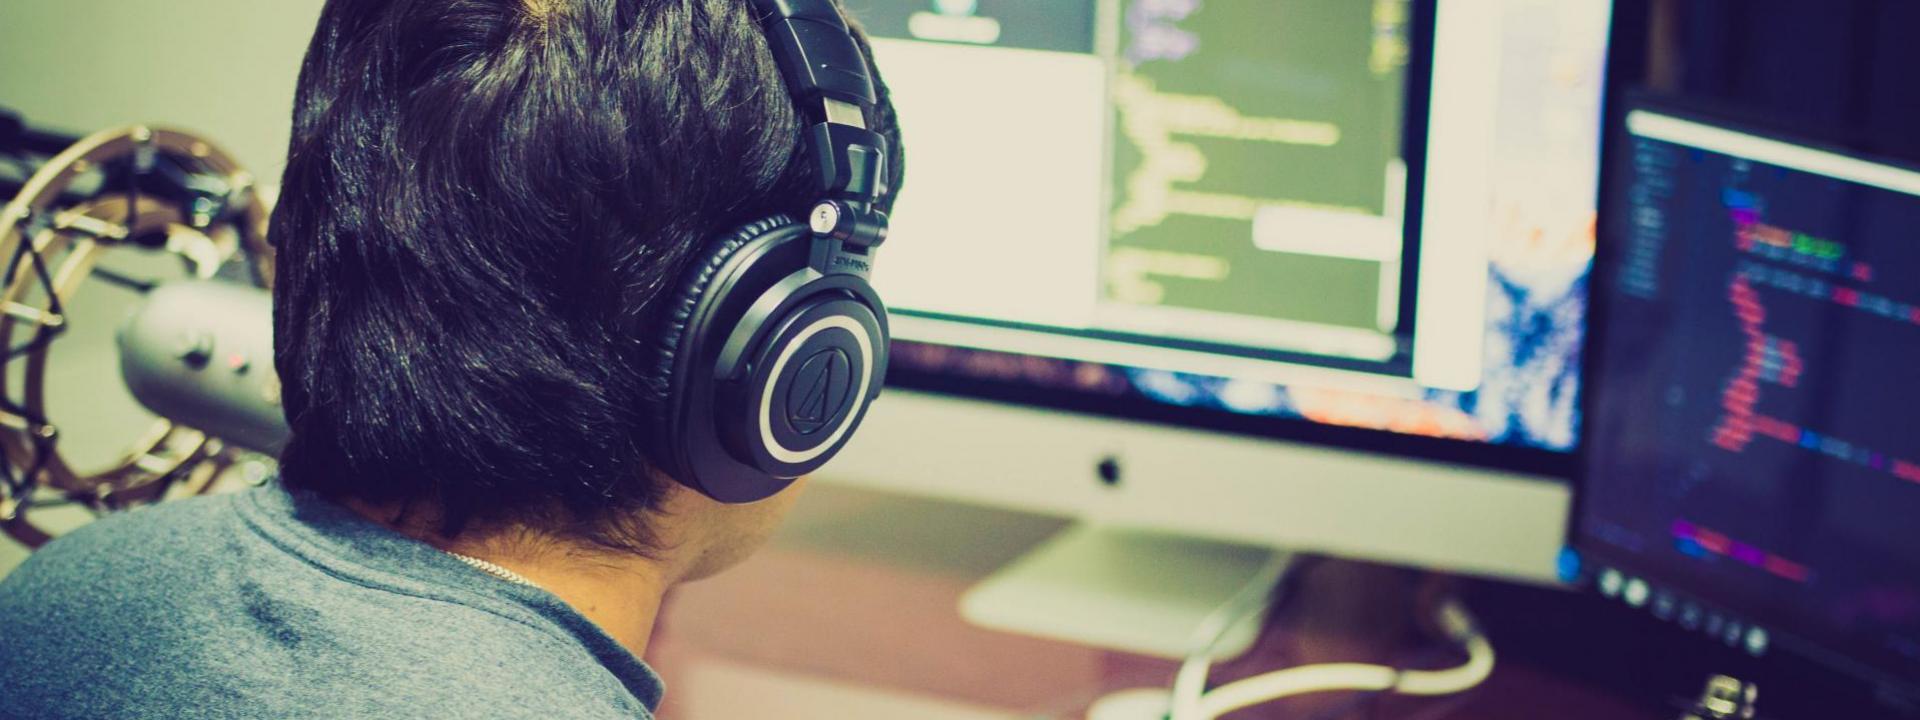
(493, 569)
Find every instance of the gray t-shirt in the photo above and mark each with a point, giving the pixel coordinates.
(270, 604)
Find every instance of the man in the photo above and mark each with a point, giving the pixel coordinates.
(483, 202)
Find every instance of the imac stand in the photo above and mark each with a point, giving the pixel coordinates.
(1131, 590)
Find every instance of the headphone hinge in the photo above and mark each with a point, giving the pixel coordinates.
(844, 237)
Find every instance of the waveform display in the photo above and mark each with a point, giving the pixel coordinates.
(1773, 361)
(1809, 252)
(1286, 185)
(1790, 281)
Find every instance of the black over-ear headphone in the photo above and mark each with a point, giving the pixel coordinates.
(774, 342)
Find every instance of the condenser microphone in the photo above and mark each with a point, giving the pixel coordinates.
(200, 353)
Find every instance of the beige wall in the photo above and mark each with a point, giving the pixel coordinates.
(222, 68)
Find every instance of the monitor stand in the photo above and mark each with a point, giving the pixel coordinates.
(1123, 589)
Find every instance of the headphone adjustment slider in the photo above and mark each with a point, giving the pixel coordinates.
(845, 235)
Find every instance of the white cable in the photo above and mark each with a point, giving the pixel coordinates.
(1191, 682)
(1453, 618)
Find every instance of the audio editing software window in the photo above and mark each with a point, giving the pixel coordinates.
(1259, 178)
(1757, 431)
(1003, 120)
(1251, 190)
(1156, 171)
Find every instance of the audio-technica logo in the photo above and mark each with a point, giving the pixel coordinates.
(819, 390)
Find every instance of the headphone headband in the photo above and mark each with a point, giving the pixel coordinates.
(828, 76)
(816, 51)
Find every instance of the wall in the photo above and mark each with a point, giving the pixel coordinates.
(223, 68)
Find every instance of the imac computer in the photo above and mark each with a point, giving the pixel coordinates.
(1290, 273)
(1753, 468)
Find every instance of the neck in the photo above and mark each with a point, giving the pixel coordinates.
(619, 592)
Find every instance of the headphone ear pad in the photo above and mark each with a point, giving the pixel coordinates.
(674, 331)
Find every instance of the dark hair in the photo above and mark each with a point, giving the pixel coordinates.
(483, 201)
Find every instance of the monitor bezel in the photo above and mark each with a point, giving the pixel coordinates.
(1795, 634)
(1513, 458)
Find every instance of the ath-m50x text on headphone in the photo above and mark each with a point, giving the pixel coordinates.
(774, 343)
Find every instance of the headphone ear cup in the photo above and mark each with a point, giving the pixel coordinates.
(676, 339)
(810, 383)
(763, 366)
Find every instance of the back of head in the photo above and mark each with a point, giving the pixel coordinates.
(482, 203)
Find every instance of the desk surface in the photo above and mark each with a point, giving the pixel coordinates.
(852, 613)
